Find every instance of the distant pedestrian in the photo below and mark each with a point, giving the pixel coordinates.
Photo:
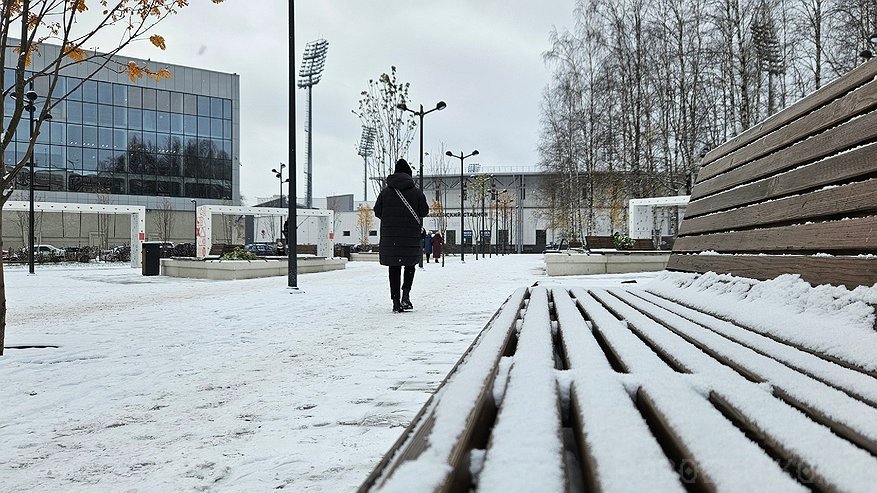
(437, 241)
(427, 244)
(401, 208)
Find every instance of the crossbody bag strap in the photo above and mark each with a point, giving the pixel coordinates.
(410, 209)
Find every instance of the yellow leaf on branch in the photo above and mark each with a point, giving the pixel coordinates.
(158, 41)
(134, 71)
(74, 52)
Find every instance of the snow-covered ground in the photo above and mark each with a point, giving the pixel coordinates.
(162, 384)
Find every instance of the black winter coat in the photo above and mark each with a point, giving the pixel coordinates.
(401, 242)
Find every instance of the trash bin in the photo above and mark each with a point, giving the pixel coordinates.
(151, 259)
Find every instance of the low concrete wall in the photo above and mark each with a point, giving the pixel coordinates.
(225, 270)
(576, 264)
(364, 257)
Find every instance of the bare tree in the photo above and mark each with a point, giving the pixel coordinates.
(394, 128)
(164, 218)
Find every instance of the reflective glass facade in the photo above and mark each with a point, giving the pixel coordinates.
(126, 139)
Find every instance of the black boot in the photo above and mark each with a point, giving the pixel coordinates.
(406, 301)
(397, 307)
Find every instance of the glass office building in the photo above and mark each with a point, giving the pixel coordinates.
(135, 142)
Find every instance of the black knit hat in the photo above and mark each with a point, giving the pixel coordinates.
(402, 167)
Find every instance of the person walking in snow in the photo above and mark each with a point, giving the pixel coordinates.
(401, 208)
(437, 242)
(427, 244)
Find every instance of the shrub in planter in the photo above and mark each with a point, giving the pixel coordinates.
(622, 242)
(239, 253)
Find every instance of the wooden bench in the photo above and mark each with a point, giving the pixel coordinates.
(606, 242)
(798, 190)
(219, 249)
(666, 388)
(623, 390)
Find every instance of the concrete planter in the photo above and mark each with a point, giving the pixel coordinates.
(576, 264)
(225, 270)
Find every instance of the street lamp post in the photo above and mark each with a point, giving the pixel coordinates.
(30, 98)
(279, 176)
(195, 206)
(462, 157)
(481, 233)
(438, 107)
(291, 233)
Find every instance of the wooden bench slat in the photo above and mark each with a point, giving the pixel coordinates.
(837, 169)
(832, 202)
(848, 271)
(723, 458)
(632, 352)
(863, 73)
(469, 386)
(526, 451)
(819, 457)
(601, 406)
(669, 341)
(855, 383)
(858, 234)
(853, 133)
(853, 419)
(861, 100)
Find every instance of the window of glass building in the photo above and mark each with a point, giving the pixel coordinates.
(133, 140)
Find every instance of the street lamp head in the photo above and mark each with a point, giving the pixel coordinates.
(475, 152)
(402, 106)
(873, 39)
(194, 201)
(31, 95)
(273, 170)
(442, 105)
(449, 153)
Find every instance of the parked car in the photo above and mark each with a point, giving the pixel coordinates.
(261, 249)
(49, 252)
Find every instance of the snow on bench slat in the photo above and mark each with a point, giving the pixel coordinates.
(525, 452)
(453, 405)
(834, 463)
(825, 319)
(836, 405)
(632, 352)
(721, 452)
(616, 435)
(852, 382)
(692, 358)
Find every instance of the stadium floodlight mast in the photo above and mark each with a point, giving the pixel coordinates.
(311, 71)
(366, 149)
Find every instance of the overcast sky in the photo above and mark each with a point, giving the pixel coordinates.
(482, 57)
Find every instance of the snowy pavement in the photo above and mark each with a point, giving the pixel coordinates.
(163, 384)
